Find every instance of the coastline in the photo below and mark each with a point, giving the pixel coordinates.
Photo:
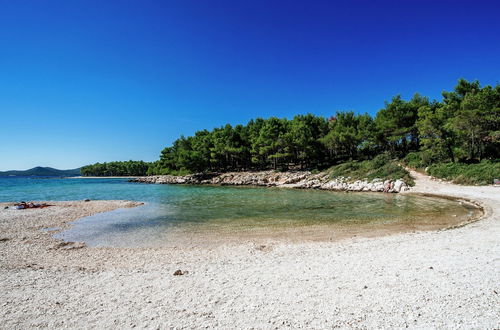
(296, 179)
(101, 177)
(422, 279)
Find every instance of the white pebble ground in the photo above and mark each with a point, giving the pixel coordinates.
(442, 279)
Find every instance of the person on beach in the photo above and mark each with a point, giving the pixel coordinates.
(30, 205)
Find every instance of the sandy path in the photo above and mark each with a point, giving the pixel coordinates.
(445, 279)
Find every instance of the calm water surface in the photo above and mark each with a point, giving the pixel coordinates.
(178, 212)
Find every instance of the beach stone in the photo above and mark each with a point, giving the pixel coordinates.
(378, 186)
(398, 185)
(179, 272)
(68, 246)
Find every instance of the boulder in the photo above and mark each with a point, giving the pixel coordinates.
(398, 185)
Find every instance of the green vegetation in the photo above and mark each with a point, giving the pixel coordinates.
(481, 173)
(382, 166)
(464, 128)
(128, 168)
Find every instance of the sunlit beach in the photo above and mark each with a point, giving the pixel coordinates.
(257, 165)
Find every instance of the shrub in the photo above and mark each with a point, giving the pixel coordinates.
(381, 160)
(482, 173)
(381, 167)
(419, 160)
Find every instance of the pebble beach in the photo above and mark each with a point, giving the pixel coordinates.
(432, 279)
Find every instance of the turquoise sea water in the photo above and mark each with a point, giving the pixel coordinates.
(174, 210)
(59, 189)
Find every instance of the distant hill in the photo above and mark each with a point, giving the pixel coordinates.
(42, 171)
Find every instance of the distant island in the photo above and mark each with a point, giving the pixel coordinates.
(42, 171)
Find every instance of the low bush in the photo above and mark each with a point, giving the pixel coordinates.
(481, 173)
(419, 160)
(381, 167)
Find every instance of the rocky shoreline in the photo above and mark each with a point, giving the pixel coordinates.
(298, 180)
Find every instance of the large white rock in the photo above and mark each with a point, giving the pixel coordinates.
(398, 185)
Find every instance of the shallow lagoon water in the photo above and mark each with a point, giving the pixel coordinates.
(183, 214)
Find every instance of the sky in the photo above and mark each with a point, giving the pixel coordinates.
(93, 81)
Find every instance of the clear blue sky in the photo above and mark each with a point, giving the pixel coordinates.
(87, 81)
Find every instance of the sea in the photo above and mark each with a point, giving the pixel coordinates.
(193, 214)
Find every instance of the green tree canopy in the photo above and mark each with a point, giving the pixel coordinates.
(464, 126)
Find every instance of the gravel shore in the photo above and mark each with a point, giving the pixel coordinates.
(436, 279)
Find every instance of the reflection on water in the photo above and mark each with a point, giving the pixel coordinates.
(196, 214)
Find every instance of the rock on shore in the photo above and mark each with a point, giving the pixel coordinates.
(299, 180)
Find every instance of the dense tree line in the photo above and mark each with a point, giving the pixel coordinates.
(128, 168)
(464, 127)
